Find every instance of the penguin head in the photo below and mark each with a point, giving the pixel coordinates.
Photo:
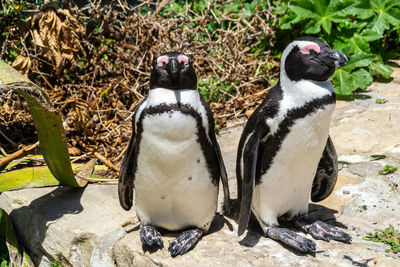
(173, 70)
(309, 58)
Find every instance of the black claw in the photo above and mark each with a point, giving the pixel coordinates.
(184, 242)
(150, 236)
(345, 238)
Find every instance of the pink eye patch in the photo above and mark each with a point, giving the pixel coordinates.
(183, 59)
(306, 50)
(161, 60)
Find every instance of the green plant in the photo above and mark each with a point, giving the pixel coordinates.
(367, 31)
(9, 244)
(55, 264)
(377, 157)
(13, 12)
(4, 259)
(387, 170)
(389, 236)
(4, 262)
(213, 90)
(380, 101)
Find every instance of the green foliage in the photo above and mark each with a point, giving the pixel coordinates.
(9, 244)
(55, 264)
(378, 157)
(13, 12)
(380, 101)
(388, 169)
(389, 236)
(5, 263)
(213, 90)
(217, 17)
(48, 125)
(367, 31)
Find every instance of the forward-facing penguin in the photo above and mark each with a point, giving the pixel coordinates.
(285, 153)
(173, 161)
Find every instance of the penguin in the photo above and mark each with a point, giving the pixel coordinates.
(285, 154)
(173, 161)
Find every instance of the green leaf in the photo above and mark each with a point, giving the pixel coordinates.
(388, 169)
(362, 78)
(18, 176)
(361, 10)
(382, 69)
(37, 176)
(303, 13)
(359, 61)
(343, 82)
(380, 101)
(327, 25)
(8, 237)
(386, 13)
(313, 27)
(48, 124)
(369, 35)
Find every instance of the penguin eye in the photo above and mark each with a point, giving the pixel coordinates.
(183, 59)
(162, 60)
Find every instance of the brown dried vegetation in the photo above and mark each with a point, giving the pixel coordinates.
(95, 63)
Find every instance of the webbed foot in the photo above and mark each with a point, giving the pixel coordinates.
(150, 236)
(323, 231)
(184, 242)
(291, 239)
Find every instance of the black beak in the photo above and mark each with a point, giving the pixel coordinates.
(341, 59)
(173, 68)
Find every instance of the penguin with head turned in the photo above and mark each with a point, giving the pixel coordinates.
(173, 163)
(285, 154)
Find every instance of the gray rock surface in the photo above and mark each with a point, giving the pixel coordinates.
(73, 226)
(87, 227)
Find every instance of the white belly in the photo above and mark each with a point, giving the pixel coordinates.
(286, 186)
(173, 187)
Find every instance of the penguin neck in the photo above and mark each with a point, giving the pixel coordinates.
(166, 96)
(300, 92)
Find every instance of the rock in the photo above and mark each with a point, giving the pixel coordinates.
(363, 126)
(87, 227)
(73, 226)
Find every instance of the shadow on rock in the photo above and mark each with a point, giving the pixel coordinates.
(151, 249)
(322, 213)
(352, 97)
(357, 263)
(218, 223)
(40, 213)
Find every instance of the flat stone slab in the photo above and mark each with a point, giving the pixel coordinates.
(68, 225)
(87, 227)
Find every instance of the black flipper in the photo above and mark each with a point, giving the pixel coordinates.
(222, 170)
(250, 157)
(126, 173)
(224, 176)
(184, 242)
(327, 173)
(323, 231)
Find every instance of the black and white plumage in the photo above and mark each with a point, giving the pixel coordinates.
(173, 162)
(285, 154)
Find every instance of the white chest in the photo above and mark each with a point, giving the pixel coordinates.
(286, 186)
(173, 186)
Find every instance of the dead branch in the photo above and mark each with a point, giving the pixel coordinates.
(18, 154)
